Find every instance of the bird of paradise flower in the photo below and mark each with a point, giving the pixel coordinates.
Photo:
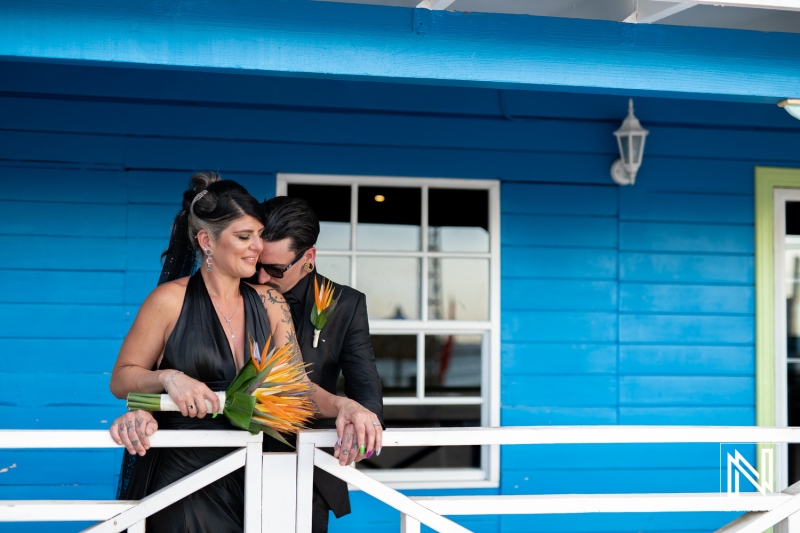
(324, 306)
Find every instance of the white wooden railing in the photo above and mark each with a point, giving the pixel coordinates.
(118, 515)
(279, 488)
(762, 511)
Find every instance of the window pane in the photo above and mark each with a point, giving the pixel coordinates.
(389, 218)
(392, 286)
(334, 267)
(458, 220)
(453, 365)
(332, 204)
(428, 416)
(458, 289)
(396, 360)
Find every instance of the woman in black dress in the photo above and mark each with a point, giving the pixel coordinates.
(188, 340)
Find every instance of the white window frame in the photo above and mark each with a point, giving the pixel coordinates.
(488, 475)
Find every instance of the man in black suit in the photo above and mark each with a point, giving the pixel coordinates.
(287, 264)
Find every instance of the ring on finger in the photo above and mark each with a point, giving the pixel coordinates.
(376, 423)
(191, 407)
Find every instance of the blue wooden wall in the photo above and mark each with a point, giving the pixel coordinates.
(630, 305)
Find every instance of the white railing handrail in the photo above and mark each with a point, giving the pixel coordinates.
(763, 512)
(99, 438)
(115, 515)
(508, 435)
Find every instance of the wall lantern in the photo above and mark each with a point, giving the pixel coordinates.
(792, 106)
(630, 139)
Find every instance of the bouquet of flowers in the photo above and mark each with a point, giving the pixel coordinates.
(268, 394)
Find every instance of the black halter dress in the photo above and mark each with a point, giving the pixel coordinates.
(199, 347)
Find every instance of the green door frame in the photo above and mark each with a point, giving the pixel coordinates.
(767, 179)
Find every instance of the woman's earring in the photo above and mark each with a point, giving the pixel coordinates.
(308, 266)
(208, 259)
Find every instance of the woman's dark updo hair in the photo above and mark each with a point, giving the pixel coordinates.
(210, 203)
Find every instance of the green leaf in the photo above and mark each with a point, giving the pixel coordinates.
(239, 409)
(243, 379)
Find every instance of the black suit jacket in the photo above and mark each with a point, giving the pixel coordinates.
(344, 347)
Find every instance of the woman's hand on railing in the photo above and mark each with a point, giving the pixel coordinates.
(190, 395)
(132, 431)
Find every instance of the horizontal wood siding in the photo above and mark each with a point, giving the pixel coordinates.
(630, 305)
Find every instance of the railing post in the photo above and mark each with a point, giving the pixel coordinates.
(409, 524)
(252, 488)
(279, 507)
(305, 485)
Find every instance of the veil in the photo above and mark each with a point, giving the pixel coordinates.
(178, 260)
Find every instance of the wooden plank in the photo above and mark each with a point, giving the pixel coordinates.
(70, 321)
(58, 416)
(56, 511)
(80, 389)
(523, 415)
(139, 284)
(173, 492)
(535, 51)
(560, 457)
(694, 238)
(279, 478)
(729, 416)
(39, 218)
(84, 355)
(61, 287)
(467, 436)
(572, 263)
(391, 496)
(601, 503)
(144, 254)
(644, 204)
(549, 358)
(64, 253)
(118, 83)
(711, 299)
(558, 326)
(151, 220)
(165, 438)
(687, 360)
(55, 467)
(687, 390)
(617, 522)
(64, 185)
(560, 295)
(534, 230)
(686, 268)
(588, 200)
(686, 329)
(62, 148)
(559, 391)
(58, 492)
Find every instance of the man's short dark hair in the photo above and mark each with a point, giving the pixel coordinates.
(292, 218)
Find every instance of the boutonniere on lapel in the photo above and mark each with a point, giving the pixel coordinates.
(324, 305)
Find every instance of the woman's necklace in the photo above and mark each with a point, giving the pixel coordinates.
(228, 320)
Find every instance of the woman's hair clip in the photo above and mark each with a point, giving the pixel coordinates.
(199, 195)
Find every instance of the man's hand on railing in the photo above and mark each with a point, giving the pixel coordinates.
(359, 440)
(132, 430)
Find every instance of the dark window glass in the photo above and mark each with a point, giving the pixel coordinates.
(396, 361)
(453, 365)
(332, 204)
(389, 218)
(458, 220)
(428, 416)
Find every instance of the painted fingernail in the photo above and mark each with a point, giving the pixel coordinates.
(378, 450)
(339, 441)
(369, 454)
(362, 450)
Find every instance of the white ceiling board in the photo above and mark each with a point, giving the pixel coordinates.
(770, 15)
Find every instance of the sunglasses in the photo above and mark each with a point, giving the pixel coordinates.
(277, 272)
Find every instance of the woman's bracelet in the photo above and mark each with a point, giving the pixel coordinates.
(169, 379)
